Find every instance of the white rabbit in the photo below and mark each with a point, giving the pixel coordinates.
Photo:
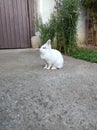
(52, 57)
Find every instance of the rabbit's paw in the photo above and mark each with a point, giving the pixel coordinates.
(53, 68)
(45, 67)
(49, 67)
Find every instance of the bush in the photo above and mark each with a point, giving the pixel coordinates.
(46, 30)
(67, 15)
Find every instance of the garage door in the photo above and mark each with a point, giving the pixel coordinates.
(16, 23)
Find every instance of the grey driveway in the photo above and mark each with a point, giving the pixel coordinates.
(32, 98)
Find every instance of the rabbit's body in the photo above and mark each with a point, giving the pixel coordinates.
(52, 57)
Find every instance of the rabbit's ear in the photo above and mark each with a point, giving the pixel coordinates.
(49, 41)
(49, 44)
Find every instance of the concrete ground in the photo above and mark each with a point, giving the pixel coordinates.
(32, 98)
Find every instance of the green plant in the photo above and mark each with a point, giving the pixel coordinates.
(67, 15)
(91, 6)
(46, 30)
(90, 3)
(84, 54)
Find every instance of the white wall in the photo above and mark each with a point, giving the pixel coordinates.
(45, 8)
(81, 27)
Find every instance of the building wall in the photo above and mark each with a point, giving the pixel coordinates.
(45, 8)
(81, 27)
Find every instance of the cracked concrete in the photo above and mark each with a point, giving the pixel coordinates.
(32, 98)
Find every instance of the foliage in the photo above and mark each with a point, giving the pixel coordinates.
(85, 54)
(91, 6)
(67, 15)
(90, 3)
(46, 30)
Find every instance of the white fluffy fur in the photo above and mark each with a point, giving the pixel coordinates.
(52, 57)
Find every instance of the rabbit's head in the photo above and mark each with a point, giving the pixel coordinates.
(46, 47)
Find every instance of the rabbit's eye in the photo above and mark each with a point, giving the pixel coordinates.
(44, 47)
